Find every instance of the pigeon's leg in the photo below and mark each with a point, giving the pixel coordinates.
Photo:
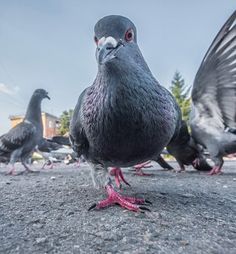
(216, 170)
(181, 167)
(27, 169)
(100, 175)
(196, 162)
(44, 164)
(51, 165)
(163, 163)
(77, 163)
(129, 203)
(138, 168)
(12, 170)
(101, 178)
(118, 177)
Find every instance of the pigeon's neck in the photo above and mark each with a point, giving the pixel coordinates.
(33, 113)
(124, 77)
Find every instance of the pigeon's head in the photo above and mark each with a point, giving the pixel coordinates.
(115, 37)
(41, 94)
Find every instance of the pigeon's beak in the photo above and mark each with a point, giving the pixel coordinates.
(46, 96)
(107, 49)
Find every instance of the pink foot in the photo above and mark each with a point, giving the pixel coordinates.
(216, 170)
(118, 177)
(47, 163)
(12, 172)
(51, 166)
(138, 168)
(179, 170)
(129, 203)
(196, 162)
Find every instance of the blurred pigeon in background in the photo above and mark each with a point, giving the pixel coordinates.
(186, 151)
(125, 117)
(45, 147)
(19, 143)
(213, 114)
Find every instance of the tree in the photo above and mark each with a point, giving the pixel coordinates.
(65, 121)
(181, 94)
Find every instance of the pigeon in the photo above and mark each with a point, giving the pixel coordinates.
(45, 147)
(125, 117)
(213, 111)
(186, 151)
(19, 143)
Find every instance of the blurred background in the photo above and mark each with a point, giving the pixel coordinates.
(49, 44)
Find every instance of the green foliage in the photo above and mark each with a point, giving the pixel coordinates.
(65, 121)
(181, 93)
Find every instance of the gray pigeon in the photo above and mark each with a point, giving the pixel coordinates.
(125, 117)
(45, 147)
(213, 115)
(186, 151)
(19, 143)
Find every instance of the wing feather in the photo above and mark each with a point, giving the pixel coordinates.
(78, 137)
(16, 137)
(215, 82)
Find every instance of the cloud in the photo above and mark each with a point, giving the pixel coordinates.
(8, 90)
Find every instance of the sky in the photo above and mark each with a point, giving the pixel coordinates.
(49, 44)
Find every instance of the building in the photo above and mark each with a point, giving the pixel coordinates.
(50, 123)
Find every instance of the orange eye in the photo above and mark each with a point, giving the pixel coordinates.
(129, 35)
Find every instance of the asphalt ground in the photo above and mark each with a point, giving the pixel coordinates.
(46, 212)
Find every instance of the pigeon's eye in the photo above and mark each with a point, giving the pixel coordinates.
(129, 35)
(96, 40)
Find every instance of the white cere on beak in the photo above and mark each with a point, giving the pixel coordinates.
(111, 40)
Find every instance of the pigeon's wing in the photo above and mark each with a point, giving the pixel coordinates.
(17, 137)
(214, 87)
(78, 138)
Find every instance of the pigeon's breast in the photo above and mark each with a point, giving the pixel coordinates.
(128, 125)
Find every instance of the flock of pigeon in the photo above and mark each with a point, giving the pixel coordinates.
(127, 118)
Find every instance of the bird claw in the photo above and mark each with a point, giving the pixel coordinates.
(93, 206)
(129, 203)
(147, 202)
(216, 170)
(139, 172)
(11, 174)
(143, 209)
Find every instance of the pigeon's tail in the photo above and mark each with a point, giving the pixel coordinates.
(47, 145)
(4, 156)
(61, 140)
(229, 140)
(185, 150)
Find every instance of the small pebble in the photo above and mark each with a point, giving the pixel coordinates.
(41, 240)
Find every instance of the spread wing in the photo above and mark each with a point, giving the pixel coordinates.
(17, 137)
(78, 138)
(214, 88)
